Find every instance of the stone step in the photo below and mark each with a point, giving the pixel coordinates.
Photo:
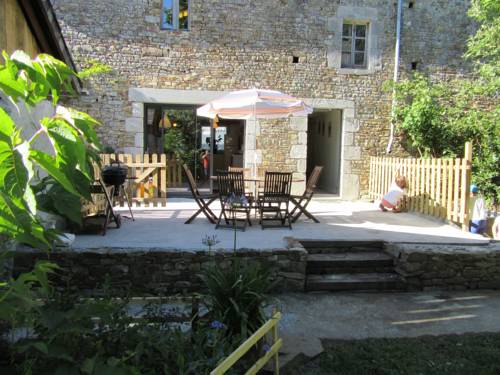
(329, 247)
(355, 282)
(349, 262)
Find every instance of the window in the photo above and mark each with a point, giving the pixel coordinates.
(175, 15)
(354, 41)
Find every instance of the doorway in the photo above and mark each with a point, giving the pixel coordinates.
(324, 147)
(177, 131)
(228, 146)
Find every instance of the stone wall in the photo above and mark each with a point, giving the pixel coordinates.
(157, 272)
(452, 267)
(236, 44)
(160, 272)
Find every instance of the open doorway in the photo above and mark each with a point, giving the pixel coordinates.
(324, 147)
(228, 144)
(177, 131)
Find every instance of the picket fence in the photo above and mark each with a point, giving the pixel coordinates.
(149, 176)
(436, 186)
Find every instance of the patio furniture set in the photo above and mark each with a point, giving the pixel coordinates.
(271, 200)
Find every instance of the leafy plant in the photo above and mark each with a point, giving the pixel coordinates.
(99, 336)
(176, 144)
(236, 296)
(73, 146)
(483, 47)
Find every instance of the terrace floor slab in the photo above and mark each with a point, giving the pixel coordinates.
(164, 228)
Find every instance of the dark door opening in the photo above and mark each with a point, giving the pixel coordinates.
(228, 143)
(324, 147)
(176, 131)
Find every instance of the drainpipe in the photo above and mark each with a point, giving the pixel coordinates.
(396, 72)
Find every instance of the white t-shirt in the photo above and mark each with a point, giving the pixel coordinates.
(394, 194)
(478, 209)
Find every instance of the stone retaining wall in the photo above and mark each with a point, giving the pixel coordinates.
(159, 272)
(451, 267)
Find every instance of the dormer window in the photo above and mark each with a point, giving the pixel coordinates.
(175, 15)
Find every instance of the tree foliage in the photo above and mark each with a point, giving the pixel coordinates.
(484, 47)
(437, 118)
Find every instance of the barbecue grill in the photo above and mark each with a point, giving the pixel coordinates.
(114, 174)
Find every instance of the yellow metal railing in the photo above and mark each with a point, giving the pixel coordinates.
(270, 325)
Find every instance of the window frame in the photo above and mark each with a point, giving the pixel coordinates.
(175, 16)
(352, 51)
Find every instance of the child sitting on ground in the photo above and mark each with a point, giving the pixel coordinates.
(394, 195)
(477, 211)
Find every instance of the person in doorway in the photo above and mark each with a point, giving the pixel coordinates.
(393, 197)
(477, 211)
(205, 163)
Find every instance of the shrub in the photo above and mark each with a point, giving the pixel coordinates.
(436, 119)
(99, 336)
(236, 296)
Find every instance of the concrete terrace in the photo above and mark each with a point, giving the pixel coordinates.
(164, 228)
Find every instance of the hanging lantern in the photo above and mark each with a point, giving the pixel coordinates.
(216, 122)
(165, 122)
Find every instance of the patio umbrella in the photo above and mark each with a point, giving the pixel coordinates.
(254, 104)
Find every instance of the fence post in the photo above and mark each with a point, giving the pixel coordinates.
(466, 180)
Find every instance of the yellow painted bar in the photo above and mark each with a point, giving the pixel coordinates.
(264, 359)
(246, 346)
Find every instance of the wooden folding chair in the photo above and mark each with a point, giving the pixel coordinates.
(233, 199)
(248, 189)
(203, 201)
(301, 201)
(275, 199)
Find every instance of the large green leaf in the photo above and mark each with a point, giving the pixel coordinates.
(16, 170)
(51, 166)
(57, 200)
(81, 121)
(10, 83)
(17, 222)
(8, 131)
(58, 74)
(67, 143)
(13, 173)
(38, 86)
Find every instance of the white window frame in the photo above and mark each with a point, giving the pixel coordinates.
(175, 16)
(354, 37)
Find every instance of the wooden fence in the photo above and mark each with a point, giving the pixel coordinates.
(149, 177)
(436, 187)
(271, 326)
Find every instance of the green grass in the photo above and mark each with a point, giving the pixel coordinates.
(469, 354)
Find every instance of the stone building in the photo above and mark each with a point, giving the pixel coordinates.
(334, 54)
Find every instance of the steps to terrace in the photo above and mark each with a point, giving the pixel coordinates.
(350, 266)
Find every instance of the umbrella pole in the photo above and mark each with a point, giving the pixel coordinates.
(254, 161)
(211, 153)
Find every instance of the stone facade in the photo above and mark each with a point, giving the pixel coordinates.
(288, 45)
